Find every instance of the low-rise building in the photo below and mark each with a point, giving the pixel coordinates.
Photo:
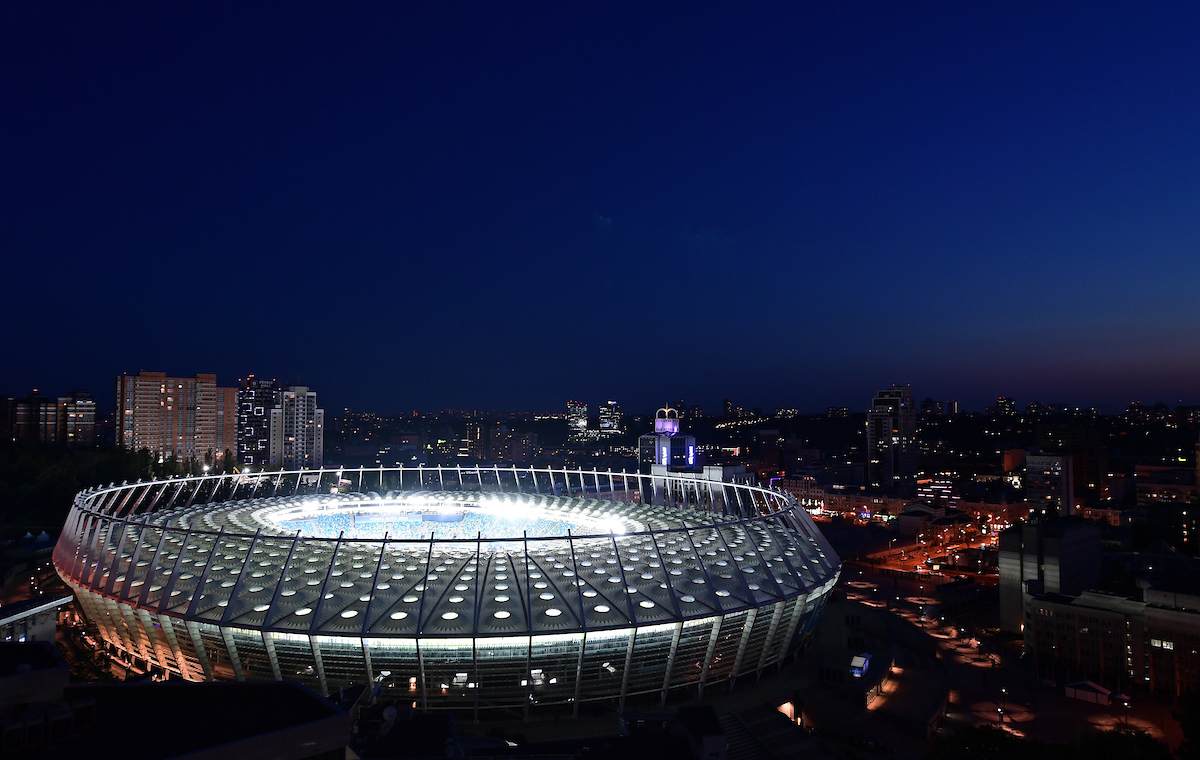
(1119, 641)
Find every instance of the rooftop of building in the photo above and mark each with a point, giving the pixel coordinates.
(25, 607)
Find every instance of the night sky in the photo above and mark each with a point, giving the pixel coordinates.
(506, 205)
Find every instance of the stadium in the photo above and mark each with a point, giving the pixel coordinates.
(466, 588)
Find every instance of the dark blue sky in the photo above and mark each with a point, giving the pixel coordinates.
(509, 205)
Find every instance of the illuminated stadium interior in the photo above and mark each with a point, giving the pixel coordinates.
(480, 588)
(443, 515)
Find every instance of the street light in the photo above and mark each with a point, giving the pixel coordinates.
(1125, 703)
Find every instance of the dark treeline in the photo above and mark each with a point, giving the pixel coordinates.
(38, 481)
(991, 743)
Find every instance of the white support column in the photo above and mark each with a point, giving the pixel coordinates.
(671, 663)
(475, 680)
(231, 649)
(272, 657)
(528, 669)
(193, 630)
(318, 665)
(421, 675)
(154, 638)
(741, 652)
(625, 672)
(367, 663)
(708, 656)
(579, 676)
(168, 629)
(770, 639)
(797, 615)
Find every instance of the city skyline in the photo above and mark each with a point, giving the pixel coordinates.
(979, 201)
(710, 407)
(601, 380)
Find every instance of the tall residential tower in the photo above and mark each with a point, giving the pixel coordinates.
(256, 398)
(891, 439)
(297, 430)
(183, 418)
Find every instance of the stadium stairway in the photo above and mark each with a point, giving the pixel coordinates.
(763, 732)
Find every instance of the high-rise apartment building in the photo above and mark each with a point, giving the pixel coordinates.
(891, 439)
(297, 430)
(473, 443)
(932, 408)
(77, 419)
(255, 400)
(226, 417)
(35, 418)
(182, 418)
(733, 411)
(1049, 485)
(511, 447)
(1005, 407)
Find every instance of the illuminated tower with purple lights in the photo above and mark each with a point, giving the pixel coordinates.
(666, 446)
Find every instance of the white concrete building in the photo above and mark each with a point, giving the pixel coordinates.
(297, 430)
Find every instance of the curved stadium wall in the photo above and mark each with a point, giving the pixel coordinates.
(479, 587)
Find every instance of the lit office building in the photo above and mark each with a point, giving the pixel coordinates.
(577, 418)
(577, 413)
(938, 490)
(611, 421)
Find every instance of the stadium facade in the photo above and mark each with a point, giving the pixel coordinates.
(463, 588)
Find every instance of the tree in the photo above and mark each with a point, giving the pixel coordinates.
(985, 743)
(1188, 716)
(1120, 744)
